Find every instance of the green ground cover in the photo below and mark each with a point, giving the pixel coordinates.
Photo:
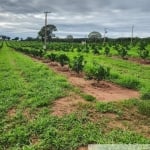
(30, 86)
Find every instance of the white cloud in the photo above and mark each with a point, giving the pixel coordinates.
(75, 17)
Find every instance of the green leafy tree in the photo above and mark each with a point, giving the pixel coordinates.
(52, 56)
(69, 38)
(95, 50)
(97, 72)
(49, 29)
(142, 51)
(77, 64)
(107, 51)
(94, 36)
(63, 59)
(123, 52)
(16, 38)
(37, 52)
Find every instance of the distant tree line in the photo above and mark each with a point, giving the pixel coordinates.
(93, 36)
(4, 37)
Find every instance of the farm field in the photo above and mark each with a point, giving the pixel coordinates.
(127, 73)
(40, 108)
(74, 75)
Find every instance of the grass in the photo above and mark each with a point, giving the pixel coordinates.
(65, 133)
(89, 98)
(26, 83)
(144, 107)
(108, 108)
(128, 82)
(29, 85)
(146, 94)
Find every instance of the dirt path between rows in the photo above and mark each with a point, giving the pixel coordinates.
(108, 91)
(105, 91)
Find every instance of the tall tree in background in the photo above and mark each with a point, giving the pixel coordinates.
(69, 38)
(50, 29)
(94, 36)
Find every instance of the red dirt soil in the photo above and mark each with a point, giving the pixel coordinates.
(140, 61)
(110, 93)
(104, 91)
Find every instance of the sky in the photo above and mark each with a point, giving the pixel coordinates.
(24, 18)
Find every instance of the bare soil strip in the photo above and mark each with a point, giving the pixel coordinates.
(108, 92)
(104, 91)
(139, 61)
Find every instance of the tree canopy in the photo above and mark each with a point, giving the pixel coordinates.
(50, 29)
(69, 38)
(94, 35)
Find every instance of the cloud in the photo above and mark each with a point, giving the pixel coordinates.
(77, 17)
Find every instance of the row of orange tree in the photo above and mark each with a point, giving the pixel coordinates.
(122, 49)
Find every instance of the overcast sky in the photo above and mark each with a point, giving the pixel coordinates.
(77, 17)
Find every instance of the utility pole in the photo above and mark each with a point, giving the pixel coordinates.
(132, 34)
(105, 32)
(45, 39)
